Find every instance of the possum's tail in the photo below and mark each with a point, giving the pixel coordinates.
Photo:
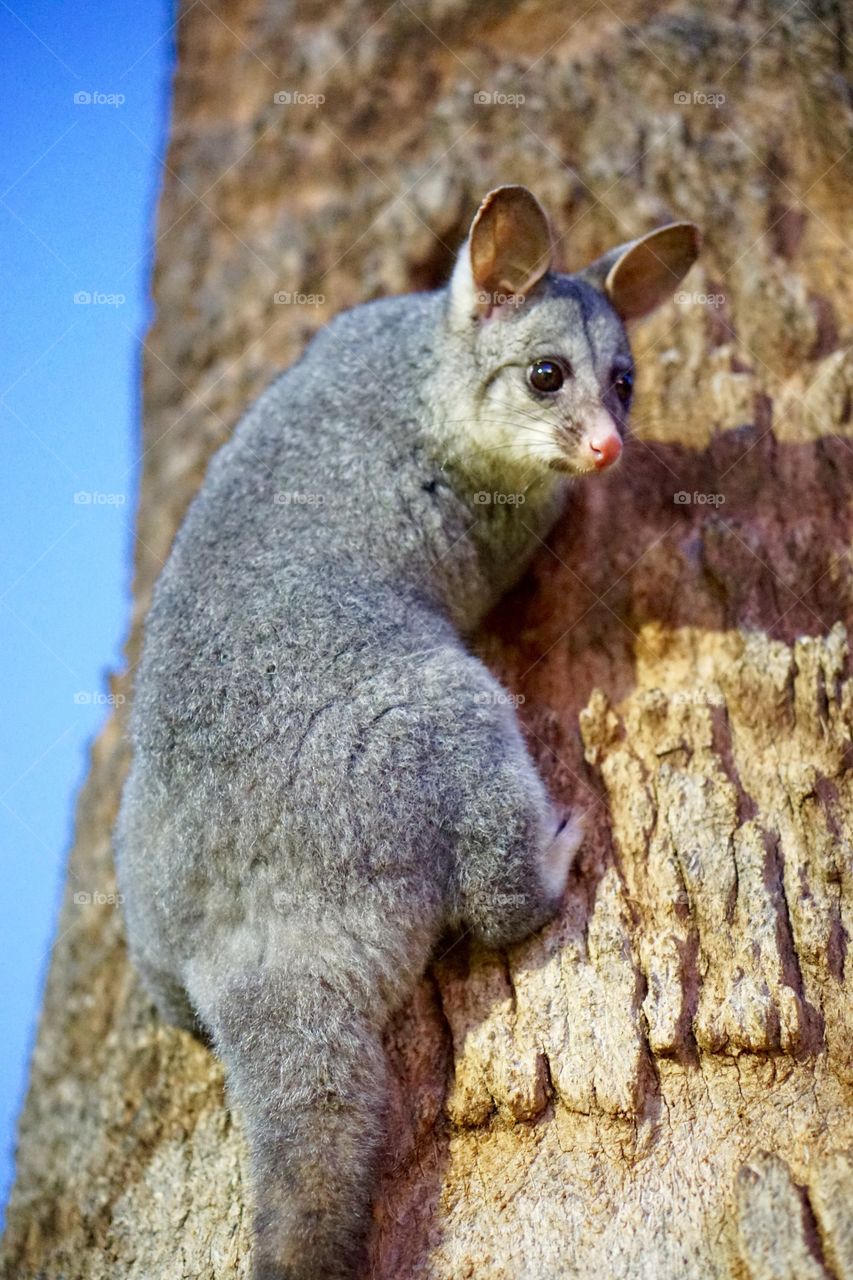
(308, 1073)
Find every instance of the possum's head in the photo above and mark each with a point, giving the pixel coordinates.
(543, 372)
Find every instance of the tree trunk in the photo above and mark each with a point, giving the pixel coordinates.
(661, 1084)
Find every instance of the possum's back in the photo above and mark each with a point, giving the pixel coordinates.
(288, 665)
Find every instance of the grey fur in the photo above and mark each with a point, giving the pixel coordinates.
(325, 779)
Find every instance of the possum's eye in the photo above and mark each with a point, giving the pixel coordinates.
(623, 385)
(546, 376)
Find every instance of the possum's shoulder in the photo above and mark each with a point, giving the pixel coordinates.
(403, 318)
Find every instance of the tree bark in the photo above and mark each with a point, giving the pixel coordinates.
(660, 1084)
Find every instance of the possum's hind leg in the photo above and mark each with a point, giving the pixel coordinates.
(513, 854)
(308, 1073)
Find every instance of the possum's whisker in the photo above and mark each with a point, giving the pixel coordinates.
(535, 417)
(543, 430)
(520, 446)
(509, 421)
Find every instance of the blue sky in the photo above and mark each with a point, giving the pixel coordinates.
(78, 187)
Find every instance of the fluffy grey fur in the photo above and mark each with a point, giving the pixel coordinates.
(325, 779)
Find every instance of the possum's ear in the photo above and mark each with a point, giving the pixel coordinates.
(639, 276)
(507, 253)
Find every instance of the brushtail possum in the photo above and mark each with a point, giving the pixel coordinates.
(325, 779)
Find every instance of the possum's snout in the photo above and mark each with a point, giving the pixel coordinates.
(601, 443)
(605, 449)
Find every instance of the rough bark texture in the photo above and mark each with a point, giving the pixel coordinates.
(661, 1085)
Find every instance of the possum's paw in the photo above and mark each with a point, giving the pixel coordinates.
(560, 855)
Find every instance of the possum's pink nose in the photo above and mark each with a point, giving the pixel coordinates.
(606, 446)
